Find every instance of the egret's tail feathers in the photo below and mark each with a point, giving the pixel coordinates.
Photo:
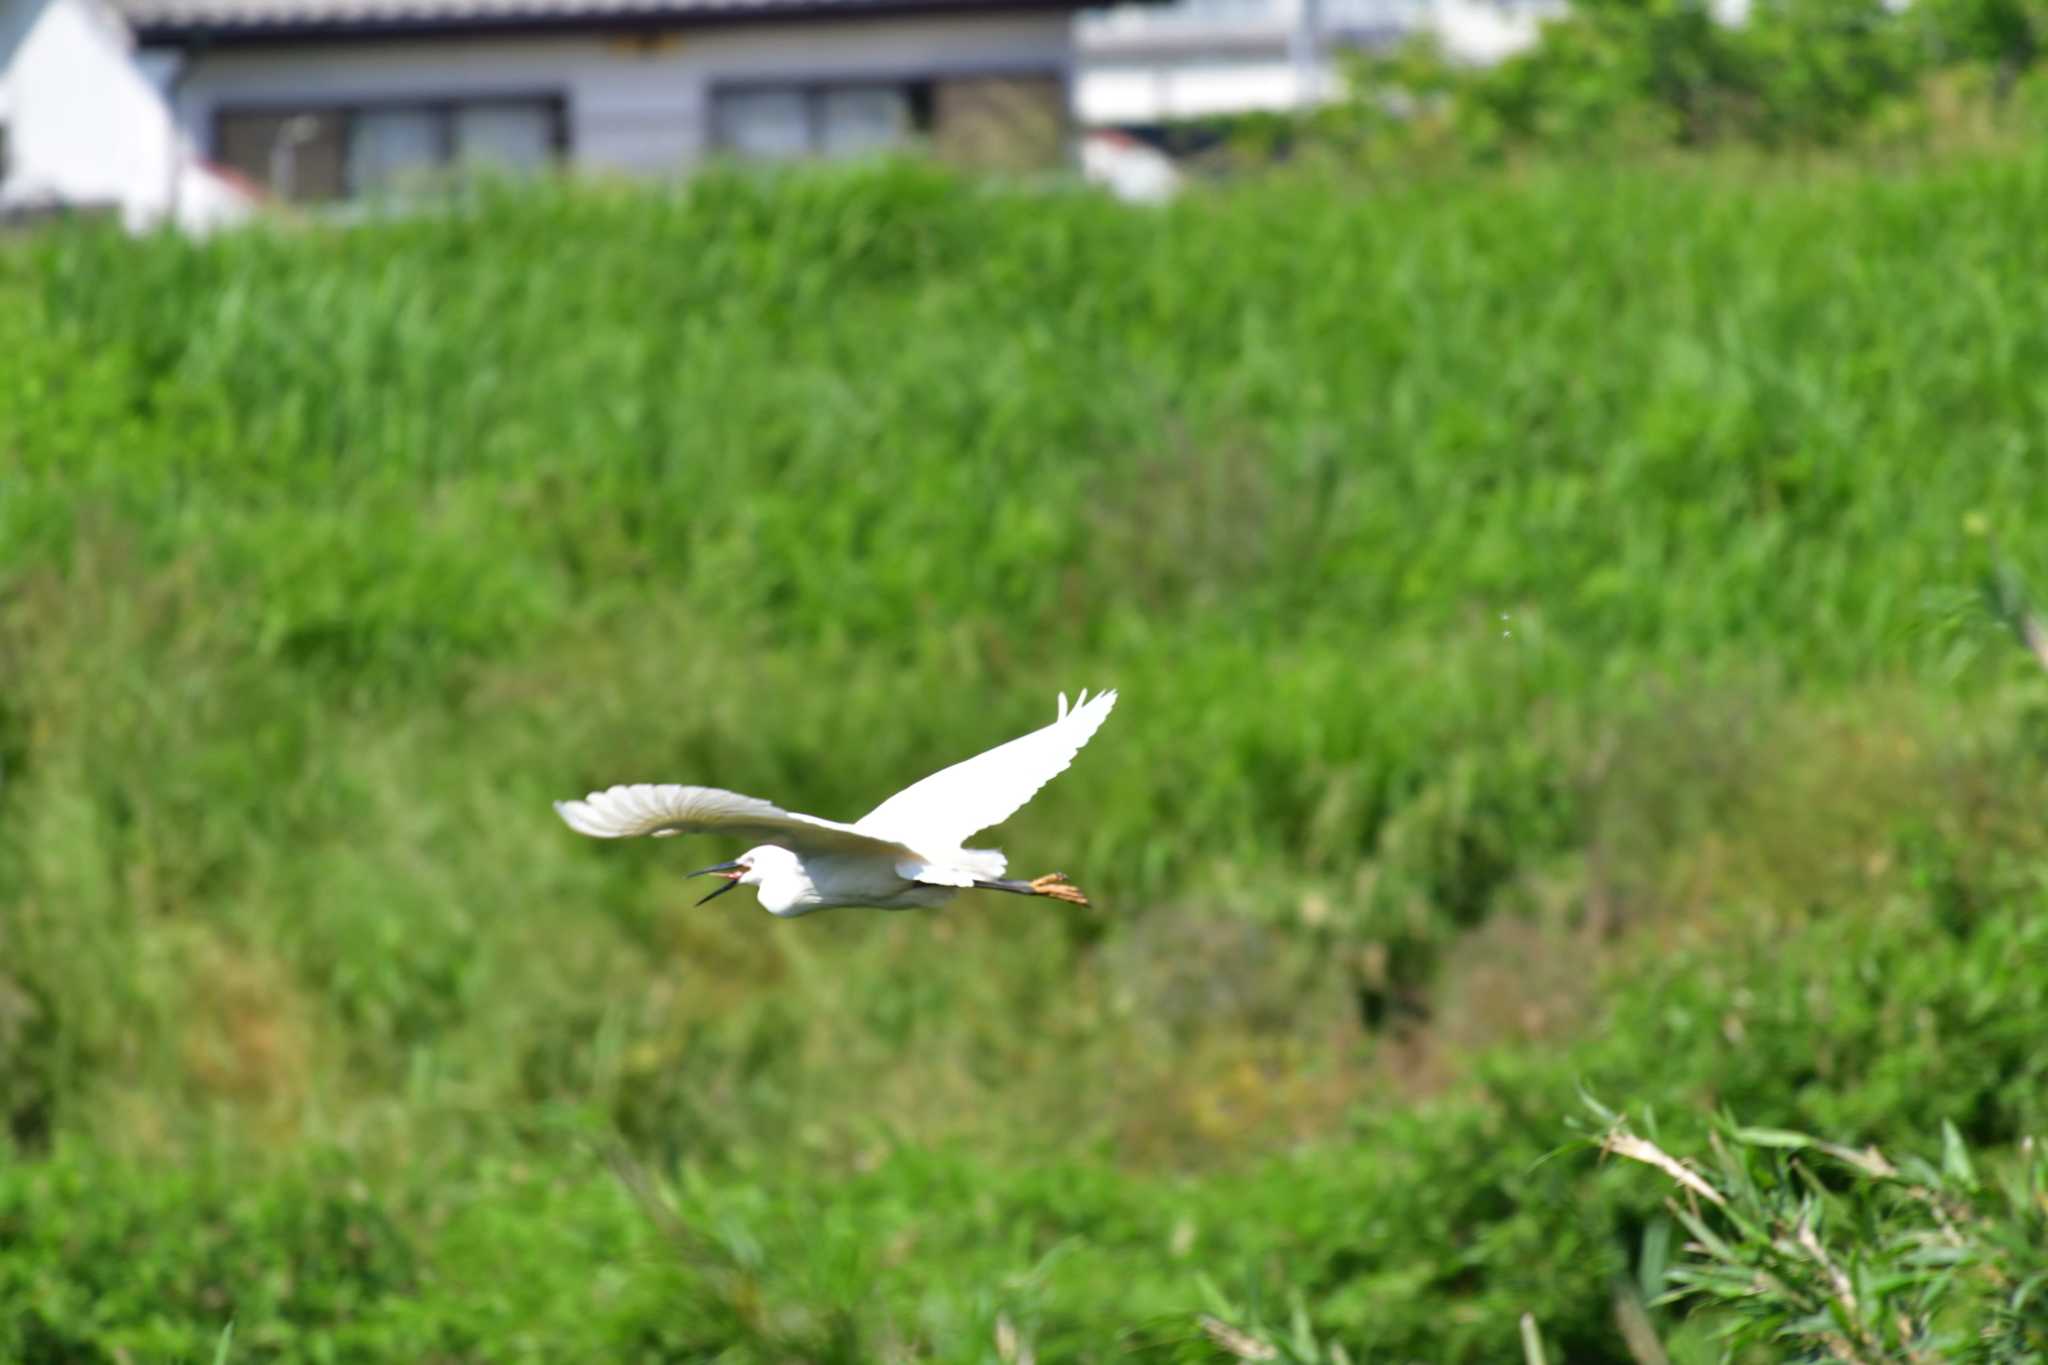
(984, 862)
(964, 868)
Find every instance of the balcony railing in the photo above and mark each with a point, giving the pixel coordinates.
(1247, 20)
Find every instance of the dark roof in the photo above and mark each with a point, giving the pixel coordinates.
(184, 21)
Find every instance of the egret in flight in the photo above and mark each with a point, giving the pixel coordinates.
(907, 852)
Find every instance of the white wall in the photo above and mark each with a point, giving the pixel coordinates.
(1129, 92)
(1486, 31)
(633, 104)
(87, 127)
(1145, 63)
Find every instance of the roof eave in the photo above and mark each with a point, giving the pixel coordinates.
(651, 18)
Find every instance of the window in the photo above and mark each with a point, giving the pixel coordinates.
(1002, 123)
(347, 150)
(298, 155)
(781, 122)
(764, 125)
(393, 149)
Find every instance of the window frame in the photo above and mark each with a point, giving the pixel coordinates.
(921, 90)
(443, 108)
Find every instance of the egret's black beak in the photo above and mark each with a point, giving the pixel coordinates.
(730, 871)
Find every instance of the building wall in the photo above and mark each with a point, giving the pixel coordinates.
(1126, 91)
(1152, 63)
(1484, 31)
(638, 103)
(86, 128)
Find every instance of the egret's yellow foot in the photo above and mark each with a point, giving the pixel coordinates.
(1056, 885)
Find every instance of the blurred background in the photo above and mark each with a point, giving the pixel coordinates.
(1561, 490)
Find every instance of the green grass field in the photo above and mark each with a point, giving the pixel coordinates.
(1547, 612)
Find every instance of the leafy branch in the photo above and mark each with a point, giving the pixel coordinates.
(1840, 1254)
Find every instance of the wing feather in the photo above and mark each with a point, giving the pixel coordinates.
(625, 812)
(943, 810)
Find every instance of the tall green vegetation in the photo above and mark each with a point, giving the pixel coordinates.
(1547, 622)
(1832, 1253)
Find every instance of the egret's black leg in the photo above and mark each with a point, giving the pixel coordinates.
(1015, 888)
(1054, 884)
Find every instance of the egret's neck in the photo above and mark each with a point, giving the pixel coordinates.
(787, 890)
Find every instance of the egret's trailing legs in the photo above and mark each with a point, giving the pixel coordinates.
(1054, 884)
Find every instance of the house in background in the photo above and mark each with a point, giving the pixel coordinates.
(1144, 65)
(84, 127)
(184, 109)
(325, 99)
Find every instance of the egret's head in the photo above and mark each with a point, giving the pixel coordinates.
(751, 868)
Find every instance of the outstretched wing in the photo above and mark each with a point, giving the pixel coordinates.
(659, 809)
(944, 809)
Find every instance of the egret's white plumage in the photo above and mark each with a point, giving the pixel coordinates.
(909, 851)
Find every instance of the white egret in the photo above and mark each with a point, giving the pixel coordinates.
(906, 852)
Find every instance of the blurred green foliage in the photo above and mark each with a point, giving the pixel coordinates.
(1546, 615)
(1607, 76)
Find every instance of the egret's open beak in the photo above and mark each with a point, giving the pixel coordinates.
(730, 871)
